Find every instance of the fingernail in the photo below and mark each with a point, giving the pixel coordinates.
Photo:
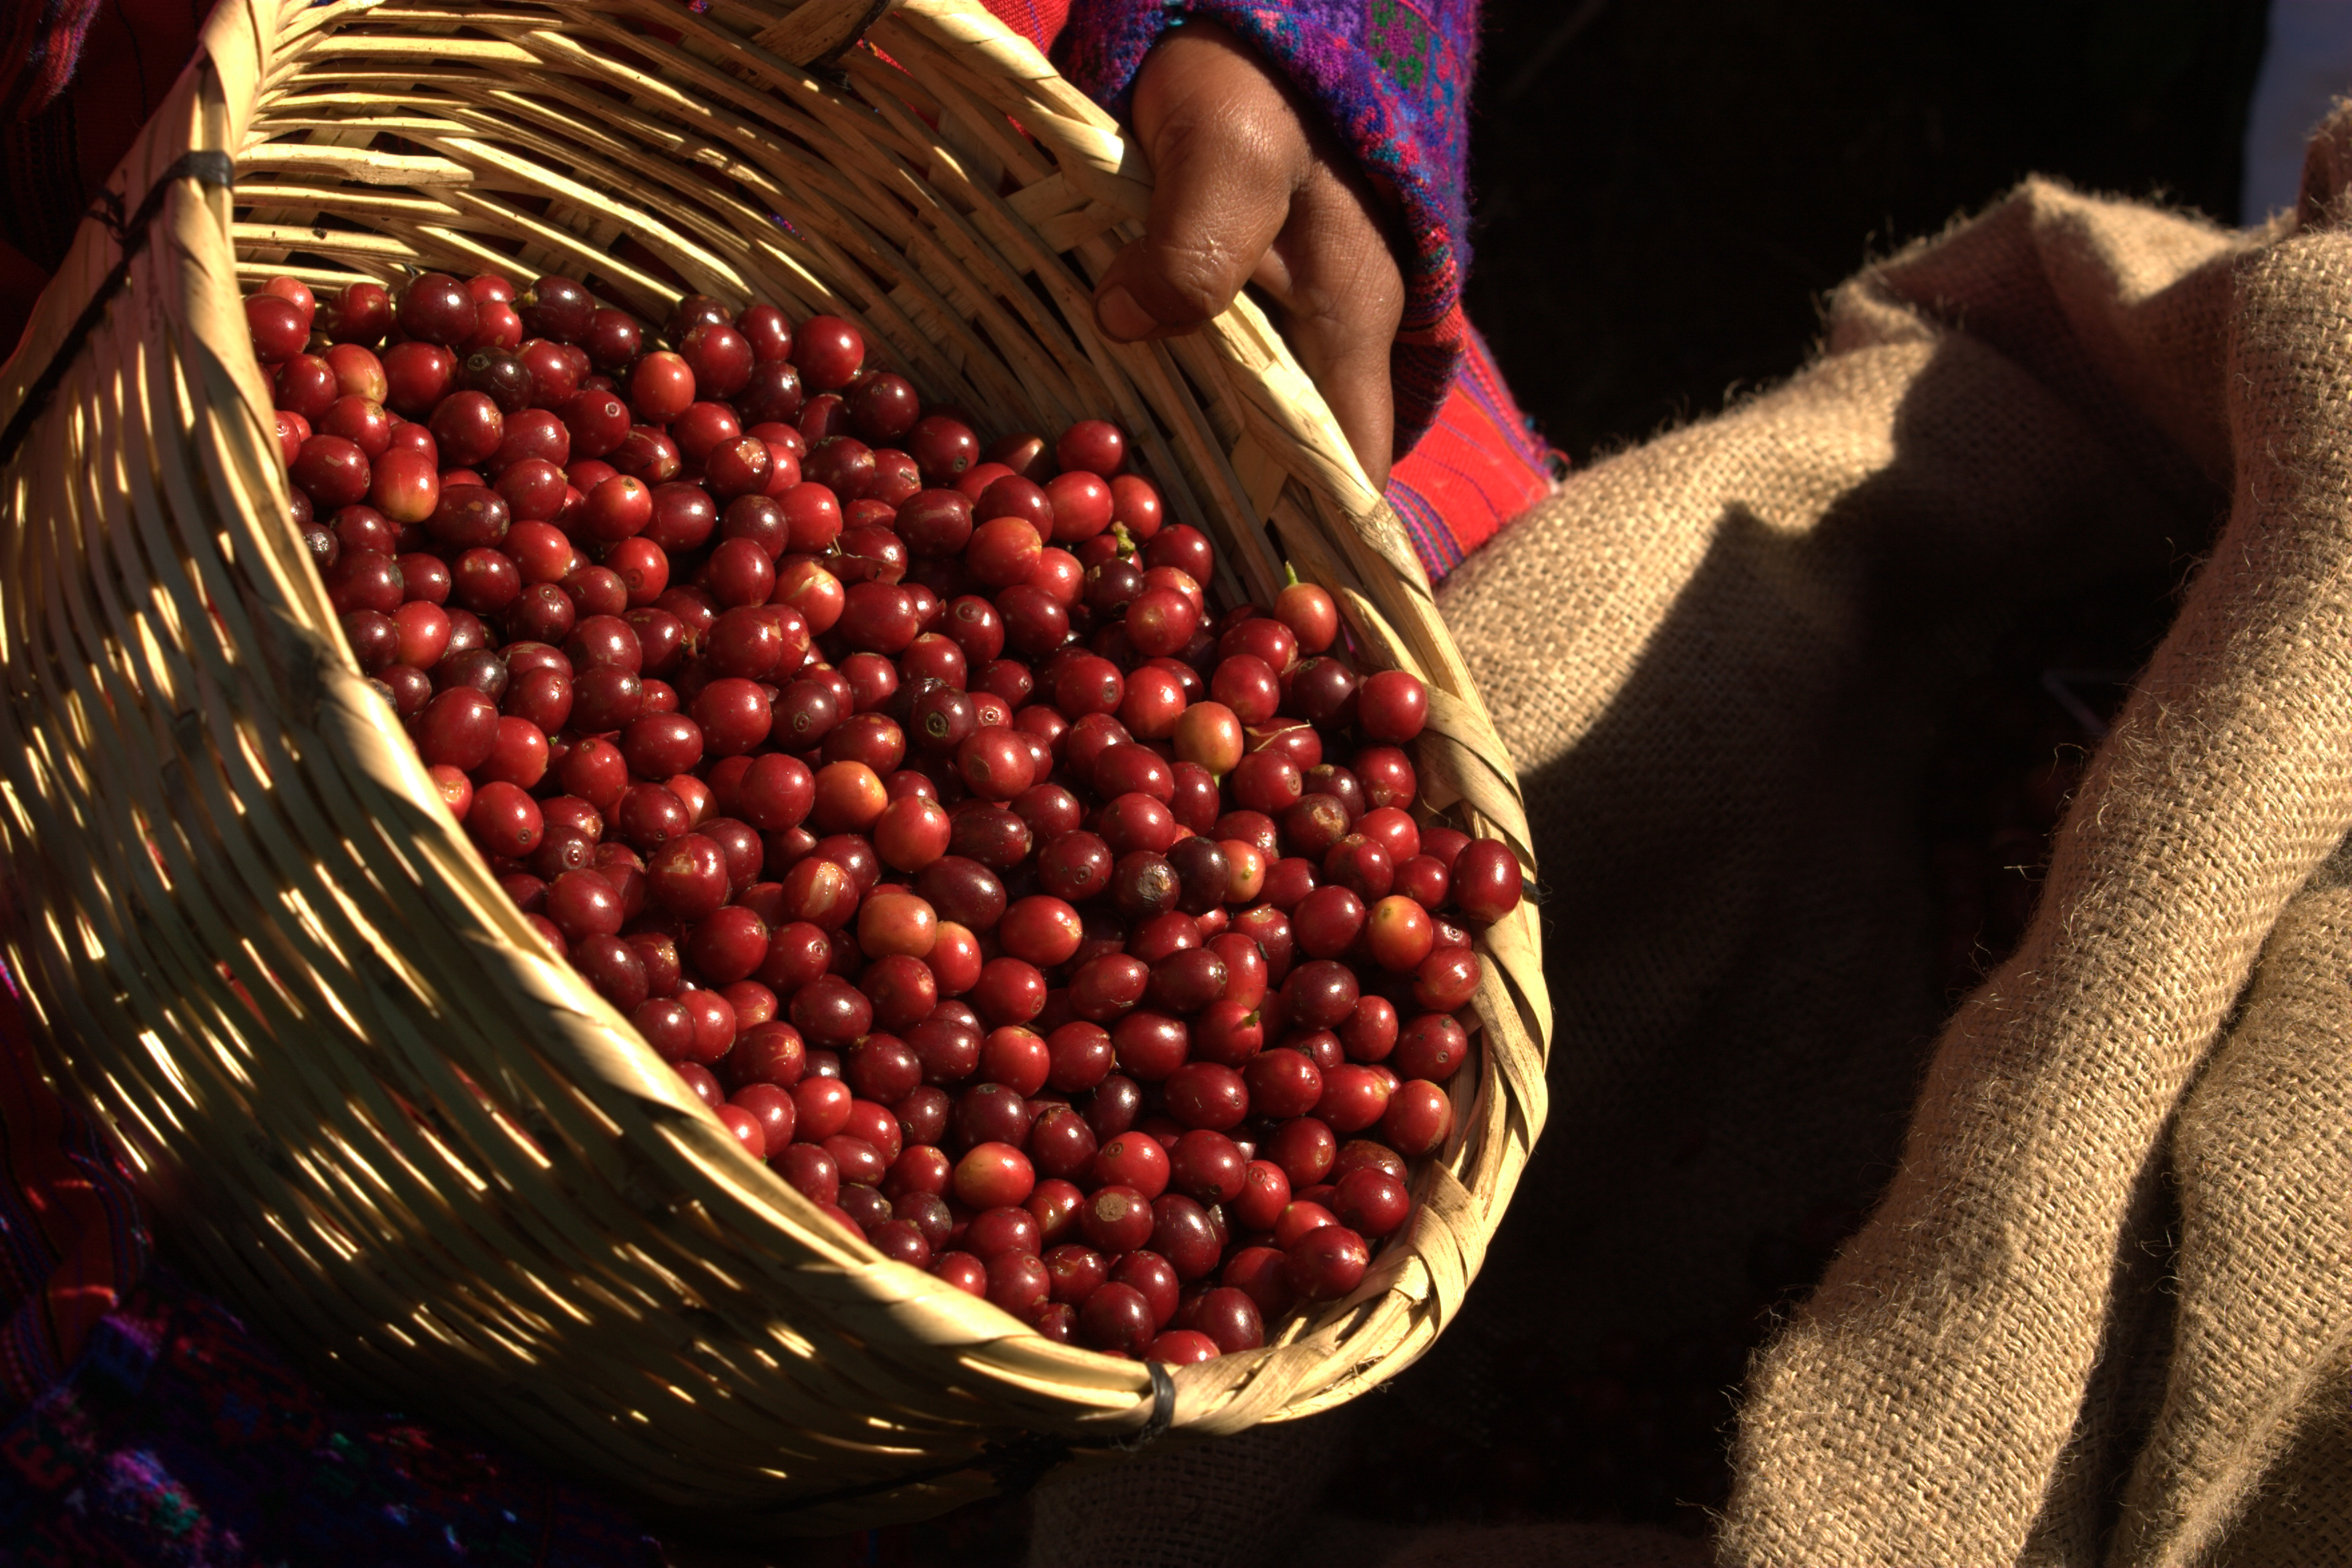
(1120, 316)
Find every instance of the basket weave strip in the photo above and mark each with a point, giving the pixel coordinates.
(369, 1104)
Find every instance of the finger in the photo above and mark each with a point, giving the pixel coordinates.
(1227, 149)
(1339, 294)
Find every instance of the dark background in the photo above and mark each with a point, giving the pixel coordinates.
(1665, 189)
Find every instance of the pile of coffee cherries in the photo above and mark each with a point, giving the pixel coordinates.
(1045, 927)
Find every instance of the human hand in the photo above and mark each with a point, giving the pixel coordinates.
(1247, 188)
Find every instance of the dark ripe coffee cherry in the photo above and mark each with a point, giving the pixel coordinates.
(1303, 1215)
(1081, 1055)
(1261, 1274)
(1134, 1161)
(1018, 1284)
(1135, 822)
(1118, 1320)
(902, 989)
(1326, 923)
(1052, 812)
(557, 309)
(365, 580)
(1312, 827)
(436, 308)
(1229, 1033)
(1229, 1319)
(771, 395)
(1206, 1166)
(1245, 684)
(767, 332)
(973, 625)
(1370, 1033)
(278, 328)
(1143, 884)
(1326, 1263)
(1320, 691)
(1116, 1219)
(963, 892)
(1319, 1045)
(1188, 982)
(660, 952)
(864, 1206)
(1150, 1046)
(1419, 1119)
(375, 641)
(693, 310)
(989, 1114)
(884, 407)
(830, 1013)
(1203, 1094)
(1075, 867)
(860, 1163)
(504, 378)
(1320, 995)
(822, 1106)
(1260, 638)
(1093, 446)
(919, 1168)
(1283, 1083)
(829, 352)
(1061, 1142)
(1447, 979)
(1202, 874)
(1183, 1235)
(1265, 1194)
(1393, 706)
(1387, 776)
(1155, 1278)
(809, 1169)
(1366, 1154)
(877, 617)
(720, 356)
(1004, 549)
(944, 448)
(1485, 881)
(1354, 1097)
(902, 1241)
(1009, 991)
(1076, 1272)
(774, 1111)
(1117, 1103)
(1431, 1046)
(948, 1053)
(1266, 781)
(1288, 882)
(504, 820)
(729, 945)
(1106, 987)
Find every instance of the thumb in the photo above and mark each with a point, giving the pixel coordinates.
(1227, 151)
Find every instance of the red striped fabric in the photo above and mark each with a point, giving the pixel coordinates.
(1480, 466)
(1039, 21)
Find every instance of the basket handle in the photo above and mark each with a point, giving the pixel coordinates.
(814, 31)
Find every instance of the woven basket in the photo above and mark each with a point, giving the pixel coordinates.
(368, 1105)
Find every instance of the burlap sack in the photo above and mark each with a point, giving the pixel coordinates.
(2102, 1310)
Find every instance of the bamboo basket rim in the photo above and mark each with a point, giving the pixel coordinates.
(133, 424)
